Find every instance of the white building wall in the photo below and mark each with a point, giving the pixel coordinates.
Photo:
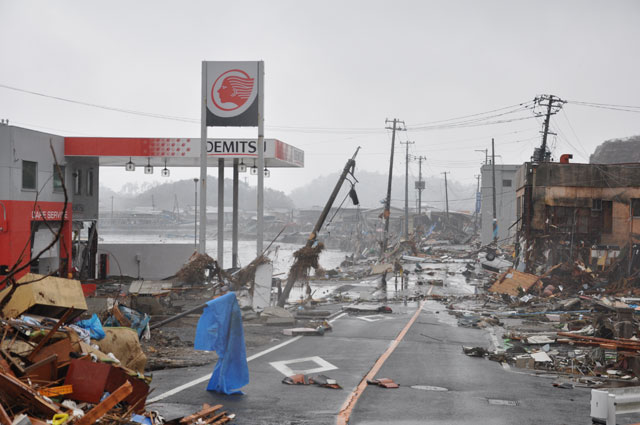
(18, 144)
(505, 203)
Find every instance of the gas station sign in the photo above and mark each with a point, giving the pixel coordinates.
(232, 92)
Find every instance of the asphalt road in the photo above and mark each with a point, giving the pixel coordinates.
(438, 383)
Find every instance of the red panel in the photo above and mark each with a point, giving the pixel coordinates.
(88, 379)
(88, 289)
(280, 150)
(100, 146)
(127, 146)
(16, 238)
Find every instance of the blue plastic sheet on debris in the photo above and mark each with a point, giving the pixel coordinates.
(220, 330)
(138, 320)
(94, 327)
(430, 231)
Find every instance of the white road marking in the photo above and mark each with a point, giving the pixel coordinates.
(207, 377)
(372, 318)
(274, 348)
(323, 365)
(337, 317)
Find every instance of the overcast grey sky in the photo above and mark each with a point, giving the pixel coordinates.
(331, 67)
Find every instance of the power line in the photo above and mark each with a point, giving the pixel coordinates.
(518, 105)
(624, 108)
(108, 108)
(480, 119)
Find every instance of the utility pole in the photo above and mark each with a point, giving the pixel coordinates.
(387, 201)
(477, 212)
(486, 154)
(420, 184)
(195, 215)
(553, 105)
(446, 194)
(112, 208)
(406, 189)
(493, 177)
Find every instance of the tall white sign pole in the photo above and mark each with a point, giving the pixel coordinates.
(202, 247)
(260, 235)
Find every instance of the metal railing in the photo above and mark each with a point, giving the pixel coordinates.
(606, 404)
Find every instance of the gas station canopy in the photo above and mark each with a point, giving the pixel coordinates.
(182, 152)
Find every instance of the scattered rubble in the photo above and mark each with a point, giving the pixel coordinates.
(57, 369)
(319, 380)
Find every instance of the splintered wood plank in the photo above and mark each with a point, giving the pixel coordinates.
(206, 410)
(4, 417)
(49, 334)
(22, 394)
(105, 405)
(214, 418)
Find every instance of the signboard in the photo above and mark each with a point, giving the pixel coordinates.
(110, 149)
(232, 91)
(234, 147)
(478, 202)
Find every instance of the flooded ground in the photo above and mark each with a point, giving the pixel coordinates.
(280, 253)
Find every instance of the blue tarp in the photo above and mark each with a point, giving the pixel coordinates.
(138, 320)
(220, 330)
(94, 326)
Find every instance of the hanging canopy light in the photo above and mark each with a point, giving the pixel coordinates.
(148, 169)
(165, 171)
(130, 166)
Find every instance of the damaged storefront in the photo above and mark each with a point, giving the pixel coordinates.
(587, 214)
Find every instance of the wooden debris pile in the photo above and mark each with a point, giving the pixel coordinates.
(52, 372)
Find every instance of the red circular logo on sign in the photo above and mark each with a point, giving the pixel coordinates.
(231, 90)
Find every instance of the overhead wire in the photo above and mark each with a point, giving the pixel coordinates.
(472, 120)
(429, 123)
(613, 107)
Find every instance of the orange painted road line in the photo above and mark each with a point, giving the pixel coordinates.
(350, 403)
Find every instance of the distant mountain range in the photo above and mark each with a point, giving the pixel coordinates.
(371, 189)
(167, 196)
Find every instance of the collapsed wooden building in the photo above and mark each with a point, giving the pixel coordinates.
(587, 213)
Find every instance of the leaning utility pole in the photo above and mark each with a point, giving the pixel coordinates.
(387, 201)
(446, 194)
(313, 237)
(493, 177)
(406, 189)
(553, 105)
(420, 183)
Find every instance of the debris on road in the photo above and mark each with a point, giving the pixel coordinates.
(319, 380)
(383, 382)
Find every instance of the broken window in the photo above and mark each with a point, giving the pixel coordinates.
(607, 217)
(569, 219)
(58, 178)
(77, 182)
(90, 182)
(29, 175)
(635, 207)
